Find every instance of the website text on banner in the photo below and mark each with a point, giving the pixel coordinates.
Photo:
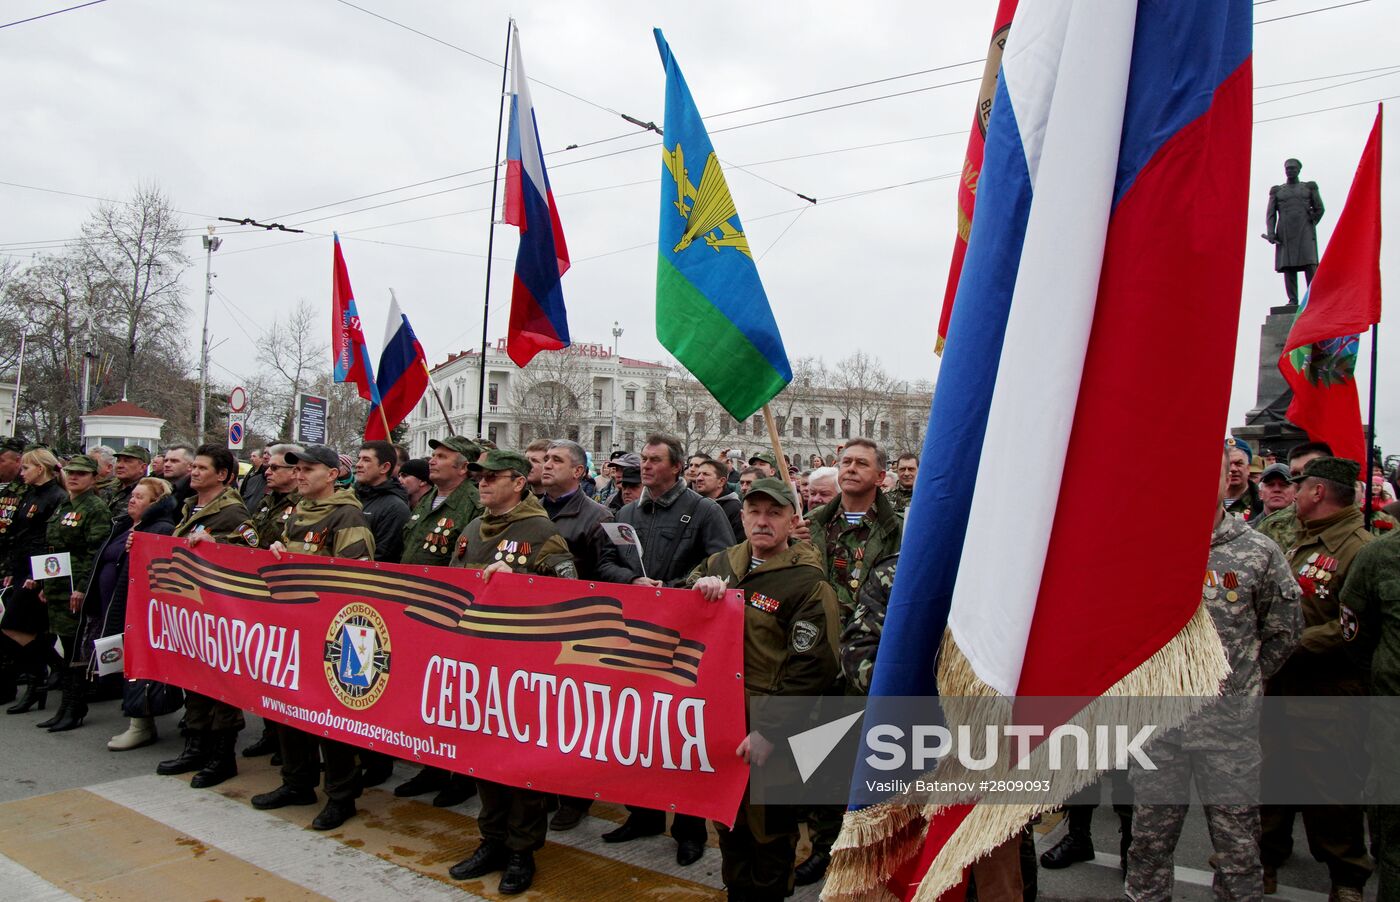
(595, 690)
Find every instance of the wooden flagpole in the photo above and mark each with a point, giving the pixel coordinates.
(1371, 425)
(778, 448)
(441, 406)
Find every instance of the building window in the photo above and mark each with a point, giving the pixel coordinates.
(423, 408)
(597, 399)
(493, 394)
(449, 399)
(830, 428)
(741, 427)
(869, 429)
(724, 425)
(630, 399)
(757, 424)
(597, 439)
(884, 430)
(781, 423)
(797, 427)
(700, 422)
(651, 401)
(812, 426)
(629, 440)
(845, 428)
(681, 421)
(494, 434)
(524, 432)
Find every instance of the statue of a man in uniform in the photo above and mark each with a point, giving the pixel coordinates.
(1295, 208)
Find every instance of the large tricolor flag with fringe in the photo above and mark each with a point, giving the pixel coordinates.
(538, 320)
(1344, 299)
(1096, 312)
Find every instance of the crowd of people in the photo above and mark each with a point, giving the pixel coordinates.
(1300, 593)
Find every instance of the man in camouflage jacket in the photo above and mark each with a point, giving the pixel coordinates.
(1253, 602)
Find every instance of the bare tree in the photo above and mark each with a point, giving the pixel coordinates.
(860, 391)
(686, 409)
(551, 396)
(289, 351)
(797, 405)
(132, 251)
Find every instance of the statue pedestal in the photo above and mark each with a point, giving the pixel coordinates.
(1266, 426)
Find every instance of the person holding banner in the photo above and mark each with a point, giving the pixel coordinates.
(24, 630)
(514, 535)
(791, 624)
(328, 522)
(78, 526)
(215, 513)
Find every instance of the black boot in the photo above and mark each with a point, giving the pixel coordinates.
(194, 756)
(1125, 839)
(36, 694)
(75, 690)
(1077, 845)
(221, 764)
(266, 744)
(67, 701)
(9, 668)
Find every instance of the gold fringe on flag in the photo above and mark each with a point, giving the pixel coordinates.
(1177, 681)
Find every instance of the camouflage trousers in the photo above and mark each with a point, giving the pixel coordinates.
(1234, 828)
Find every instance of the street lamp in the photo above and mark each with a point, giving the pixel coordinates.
(211, 244)
(617, 363)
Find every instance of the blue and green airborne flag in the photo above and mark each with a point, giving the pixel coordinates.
(711, 311)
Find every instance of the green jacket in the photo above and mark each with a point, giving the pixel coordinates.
(860, 640)
(78, 526)
(524, 538)
(1369, 615)
(225, 519)
(1321, 562)
(849, 550)
(11, 497)
(270, 519)
(900, 498)
(430, 536)
(790, 618)
(333, 527)
(1282, 526)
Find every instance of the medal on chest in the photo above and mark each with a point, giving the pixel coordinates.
(512, 552)
(439, 541)
(312, 541)
(763, 602)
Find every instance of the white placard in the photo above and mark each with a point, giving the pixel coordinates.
(48, 566)
(109, 655)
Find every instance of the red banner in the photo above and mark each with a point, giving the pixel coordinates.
(596, 690)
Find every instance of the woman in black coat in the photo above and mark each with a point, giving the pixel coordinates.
(25, 642)
(151, 510)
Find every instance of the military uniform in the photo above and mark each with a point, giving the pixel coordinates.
(121, 494)
(1369, 617)
(1282, 526)
(791, 624)
(225, 520)
(860, 639)
(850, 549)
(78, 526)
(332, 527)
(900, 498)
(11, 498)
(1327, 745)
(1253, 601)
(430, 535)
(525, 539)
(270, 519)
(1247, 506)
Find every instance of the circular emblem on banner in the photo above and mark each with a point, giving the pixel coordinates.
(52, 566)
(357, 656)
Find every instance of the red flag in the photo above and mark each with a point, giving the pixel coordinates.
(972, 162)
(1319, 358)
(351, 360)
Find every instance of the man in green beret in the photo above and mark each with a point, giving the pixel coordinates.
(515, 535)
(429, 537)
(791, 625)
(1329, 751)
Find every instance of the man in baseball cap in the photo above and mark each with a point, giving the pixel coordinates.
(766, 461)
(129, 469)
(1275, 488)
(790, 646)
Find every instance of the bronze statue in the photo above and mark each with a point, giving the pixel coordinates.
(1295, 208)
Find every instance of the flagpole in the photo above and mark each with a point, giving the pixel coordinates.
(491, 234)
(436, 394)
(777, 447)
(1371, 424)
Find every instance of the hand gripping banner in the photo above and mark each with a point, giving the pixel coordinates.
(595, 690)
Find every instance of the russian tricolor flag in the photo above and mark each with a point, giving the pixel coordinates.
(403, 374)
(1096, 316)
(538, 321)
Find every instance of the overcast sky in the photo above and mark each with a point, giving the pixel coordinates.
(267, 109)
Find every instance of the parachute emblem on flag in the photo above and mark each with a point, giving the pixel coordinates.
(1328, 362)
(712, 205)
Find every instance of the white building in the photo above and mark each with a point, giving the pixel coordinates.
(121, 424)
(580, 392)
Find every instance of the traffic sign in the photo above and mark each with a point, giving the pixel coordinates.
(236, 427)
(237, 400)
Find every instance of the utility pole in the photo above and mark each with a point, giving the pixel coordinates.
(617, 362)
(211, 244)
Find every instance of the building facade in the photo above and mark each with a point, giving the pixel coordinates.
(606, 402)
